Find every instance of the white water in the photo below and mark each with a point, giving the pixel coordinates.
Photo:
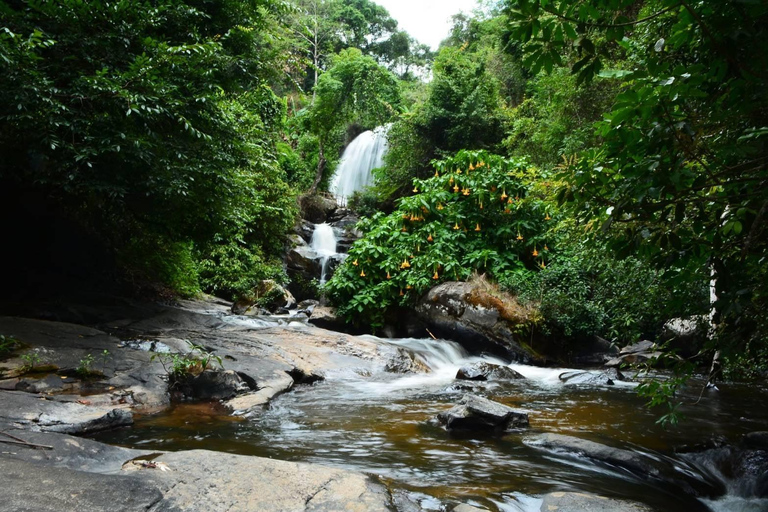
(363, 154)
(323, 242)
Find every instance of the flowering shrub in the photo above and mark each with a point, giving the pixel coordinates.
(479, 212)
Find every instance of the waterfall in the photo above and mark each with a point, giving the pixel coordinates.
(363, 154)
(324, 244)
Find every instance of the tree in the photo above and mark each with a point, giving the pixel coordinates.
(681, 174)
(354, 90)
(126, 117)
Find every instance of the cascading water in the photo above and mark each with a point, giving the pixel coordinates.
(323, 242)
(363, 154)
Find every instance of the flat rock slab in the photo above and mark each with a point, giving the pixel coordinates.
(217, 482)
(582, 502)
(81, 474)
(29, 488)
(475, 413)
(60, 414)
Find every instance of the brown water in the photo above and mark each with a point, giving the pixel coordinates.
(381, 425)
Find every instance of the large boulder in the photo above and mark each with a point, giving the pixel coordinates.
(475, 413)
(668, 473)
(267, 294)
(487, 371)
(479, 318)
(317, 208)
(212, 385)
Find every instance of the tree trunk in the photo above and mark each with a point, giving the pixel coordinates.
(320, 169)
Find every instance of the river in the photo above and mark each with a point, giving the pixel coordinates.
(380, 423)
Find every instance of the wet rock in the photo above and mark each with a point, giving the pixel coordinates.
(317, 208)
(639, 352)
(756, 440)
(212, 385)
(592, 378)
(463, 507)
(742, 466)
(582, 502)
(305, 376)
(476, 318)
(80, 474)
(487, 371)
(268, 294)
(480, 414)
(645, 467)
(325, 317)
(249, 403)
(402, 361)
(304, 229)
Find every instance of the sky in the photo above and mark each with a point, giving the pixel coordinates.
(428, 21)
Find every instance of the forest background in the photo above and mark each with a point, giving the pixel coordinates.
(168, 146)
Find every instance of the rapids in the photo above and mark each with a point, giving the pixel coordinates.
(369, 420)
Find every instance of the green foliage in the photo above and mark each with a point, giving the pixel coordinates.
(30, 360)
(751, 364)
(8, 344)
(463, 106)
(585, 291)
(679, 177)
(180, 366)
(147, 122)
(85, 366)
(477, 213)
(355, 89)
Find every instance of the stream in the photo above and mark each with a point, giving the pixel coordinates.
(380, 423)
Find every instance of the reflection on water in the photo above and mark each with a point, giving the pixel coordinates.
(381, 425)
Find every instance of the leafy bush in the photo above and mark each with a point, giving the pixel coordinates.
(585, 291)
(476, 213)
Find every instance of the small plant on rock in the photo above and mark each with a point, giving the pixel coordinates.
(85, 368)
(8, 344)
(30, 360)
(194, 362)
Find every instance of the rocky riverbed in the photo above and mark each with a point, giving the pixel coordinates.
(67, 378)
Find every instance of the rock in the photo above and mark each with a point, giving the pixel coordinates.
(487, 371)
(304, 260)
(596, 352)
(29, 487)
(304, 229)
(326, 318)
(582, 502)
(212, 385)
(477, 413)
(475, 317)
(643, 467)
(592, 378)
(756, 440)
(463, 507)
(267, 294)
(742, 467)
(308, 304)
(305, 376)
(403, 361)
(639, 352)
(202, 480)
(81, 474)
(317, 208)
(244, 405)
(686, 335)
(636, 348)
